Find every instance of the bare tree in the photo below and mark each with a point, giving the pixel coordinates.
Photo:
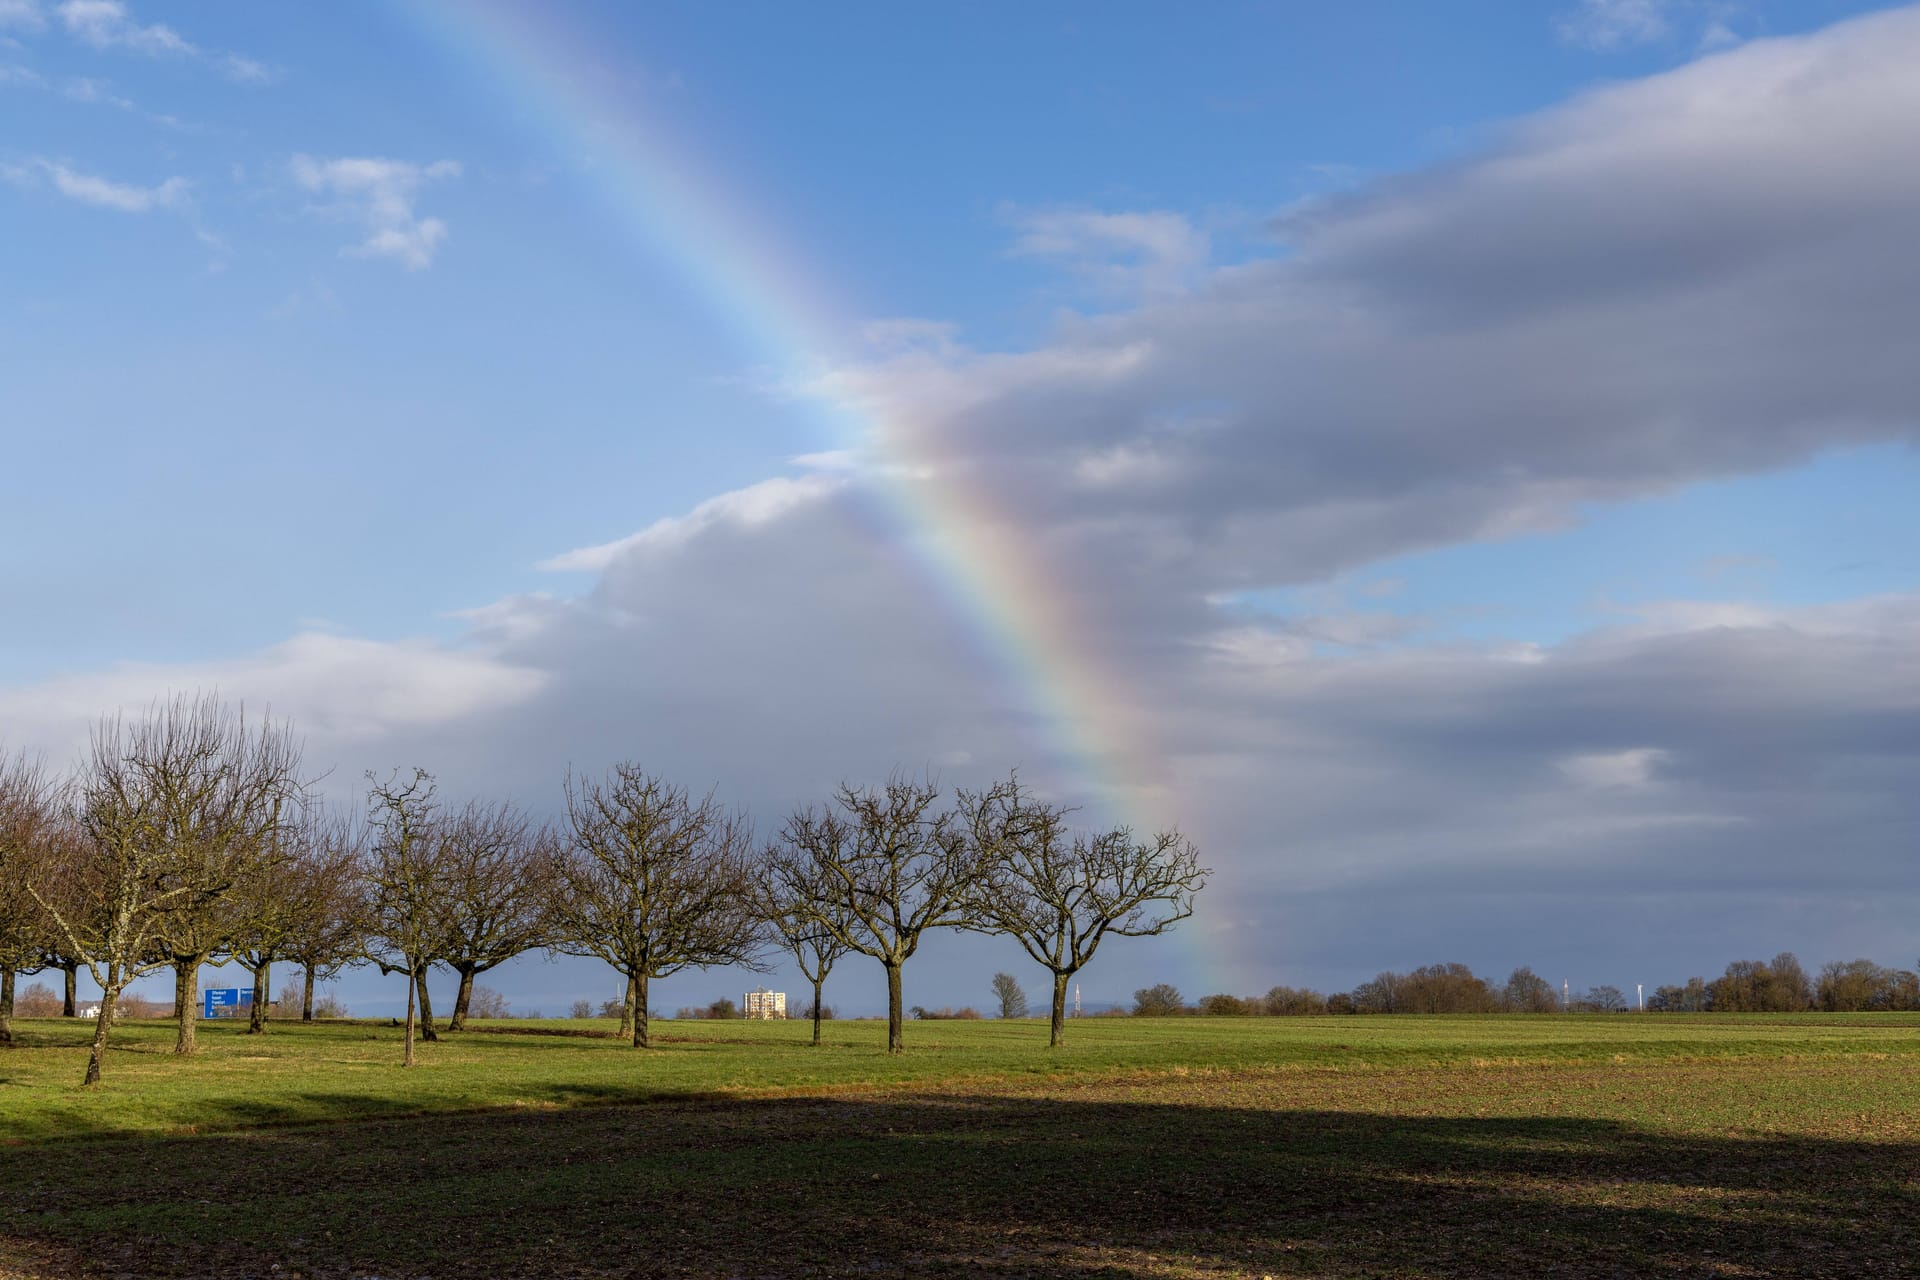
(1162, 1000)
(1061, 894)
(495, 892)
(57, 953)
(216, 789)
(26, 819)
(1007, 992)
(404, 928)
(110, 888)
(44, 864)
(653, 882)
(793, 899)
(883, 866)
(118, 875)
(629, 997)
(327, 926)
(1528, 992)
(274, 898)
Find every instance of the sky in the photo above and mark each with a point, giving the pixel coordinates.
(1456, 463)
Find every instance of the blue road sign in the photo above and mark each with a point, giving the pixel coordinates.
(224, 998)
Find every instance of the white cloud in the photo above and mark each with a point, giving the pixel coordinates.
(339, 691)
(1633, 767)
(107, 24)
(1610, 26)
(86, 89)
(755, 505)
(1717, 35)
(1123, 253)
(909, 333)
(1124, 466)
(829, 460)
(24, 15)
(244, 70)
(381, 194)
(1613, 24)
(89, 189)
(97, 191)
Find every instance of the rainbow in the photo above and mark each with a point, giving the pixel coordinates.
(684, 212)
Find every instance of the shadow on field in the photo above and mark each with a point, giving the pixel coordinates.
(954, 1184)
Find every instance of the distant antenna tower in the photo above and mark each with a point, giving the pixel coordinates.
(1566, 995)
(1640, 989)
(1076, 999)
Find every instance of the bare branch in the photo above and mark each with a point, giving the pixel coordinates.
(1059, 893)
(653, 881)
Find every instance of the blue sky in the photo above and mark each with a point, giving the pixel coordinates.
(319, 334)
(225, 366)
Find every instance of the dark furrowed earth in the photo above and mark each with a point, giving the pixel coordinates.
(1786, 1165)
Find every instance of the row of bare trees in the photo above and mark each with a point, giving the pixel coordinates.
(192, 836)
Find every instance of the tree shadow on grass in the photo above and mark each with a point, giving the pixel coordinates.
(968, 1184)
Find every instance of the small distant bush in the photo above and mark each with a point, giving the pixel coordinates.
(719, 1010)
(1294, 1002)
(1433, 988)
(329, 1005)
(1161, 1001)
(1226, 1006)
(613, 1008)
(581, 1009)
(943, 1014)
(37, 1001)
(1008, 995)
(826, 1012)
(488, 1003)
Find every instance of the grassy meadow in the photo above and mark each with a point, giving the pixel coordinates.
(1385, 1146)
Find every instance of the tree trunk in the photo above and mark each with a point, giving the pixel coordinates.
(306, 1002)
(816, 1010)
(72, 1007)
(426, 1005)
(262, 980)
(461, 1000)
(186, 994)
(626, 1011)
(896, 1035)
(103, 1025)
(6, 1006)
(1058, 1033)
(639, 989)
(410, 990)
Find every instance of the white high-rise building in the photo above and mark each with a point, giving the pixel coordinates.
(765, 1004)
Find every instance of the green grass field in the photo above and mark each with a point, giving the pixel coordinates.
(1450, 1146)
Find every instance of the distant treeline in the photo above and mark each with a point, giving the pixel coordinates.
(1780, 985)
